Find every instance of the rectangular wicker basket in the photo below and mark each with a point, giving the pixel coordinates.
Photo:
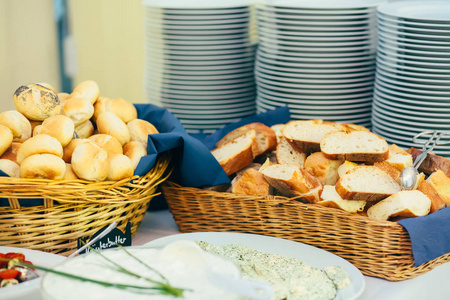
(73, 208)
(377, 248)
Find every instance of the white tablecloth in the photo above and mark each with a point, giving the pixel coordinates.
(433, 285)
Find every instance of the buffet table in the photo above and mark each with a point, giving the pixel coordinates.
(431, 285)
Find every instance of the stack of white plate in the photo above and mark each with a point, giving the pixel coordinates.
(200, 60)
(412, 88)
(317, 57)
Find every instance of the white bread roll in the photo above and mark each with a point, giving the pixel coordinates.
(69, 174)
(11, 152)
(39, 144)
(17, 123)
(63, 97)
(85, 129)
(37, 130)
(46, 166)
(68, 150)
(109, 123)
(108, 143)
(140, 129)
(324, 169)
(121, 167)
(90, 162)
(48, 85)
(404, 204)
(60, 127)
(36, 102)
(9, 167)
(34, 124)
(134, 150)
(88, 90)
(78, 109)
(122, 108)
(100, 107)
(6, 138)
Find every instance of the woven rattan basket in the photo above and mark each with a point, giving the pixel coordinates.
(73, 209)
(380, 249)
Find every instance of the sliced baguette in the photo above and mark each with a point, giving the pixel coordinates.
(441, 183)
(394, 149)
(404, 204)
(324, 169)
(286, 154)
(330, 198)
(390, 169)
(360, 146)
(305, 136)
(293, 181)
(432, 162)
(437, 202)
(265, 136)
(400, 161)
(251, 183)
(367, 183)
(345, 167)
(238, 153)
(278, 129)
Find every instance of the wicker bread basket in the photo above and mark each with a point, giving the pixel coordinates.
(377, 248)
(73, 208)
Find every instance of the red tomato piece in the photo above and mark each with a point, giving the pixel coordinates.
(3, 263)
(9, 274)
(13, 255)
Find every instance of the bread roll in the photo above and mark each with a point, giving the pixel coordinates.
(10, 168)
(85, 129)
(36, 102)
(88, 90)
(46, 166)
(123, 109)
(100, 107)
(63, 98)
(68, 150)
(140, 129)
(121, 167)
(60, 127)
(34, 124)
(90, 162)
(17, 123)
(109, 123)
(108, 143)
(324, 169)
(252, 183)
(69, 174)
(49, 86)
(37, 130)
(39, 144)
(134, 150)
(6, 138)
(78, 109)
(11, 152)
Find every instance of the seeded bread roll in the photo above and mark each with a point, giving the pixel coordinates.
(90, 162)
(324, 169)
(121, 167)
(46, 166)
(60, 127)
(134, 150)
(140, 129)
(100, 107)
(84, 130)
(69, 174)
(36, 102)
(123, 109)
(109, 123)
(48, 85)
(17, 123)
(367, 183)
(10, 168)
(108, 143)
(360, 146)
(78, 109)
(11, 152)
(68, 150)
(88, 90)
(6, 138)
(39, 144)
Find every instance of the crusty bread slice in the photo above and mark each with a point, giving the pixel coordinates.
(278, 129)
(388, 168)
(288, 155)
(360, 146)
(293, 181)
(441, 183)
(432, 162)
(330, 198)
(400, 161)
(265, 136)
(237, 153)
(394, 149)
(354, 127)
(404, 203)
(437, 202)
(305, 136)
(345, 167)
(251, 183)
(367, 183)
(324, 169)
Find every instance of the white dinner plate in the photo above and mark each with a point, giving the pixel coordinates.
(299, 38)
(408, 49)
(414, 55)
(432, 10)
(309, 255)
(415, 69)
(199, 5)
(331, 96)
(404, 117)
(419, 92)
(152, 26)
(315, 105)
(323, 102)
(331, 52)
(29, 289)
(326, 4)
(169, 15)
(191, 32)
(413, 36)
(309, 33)
(162, 20)
(197, 45)
(313, 22)
(289, 15)
(194, 92)
(415, 76)
(211, 105)
(416, 108)
(408, 125)
(305, 43)
(400, 59)
(412, 29)
(424, 88)
(414, 42)
(416, 23)
(413, 103)
(289, 28)
(316, 55)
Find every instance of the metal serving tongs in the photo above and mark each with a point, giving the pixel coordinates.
(408, 175)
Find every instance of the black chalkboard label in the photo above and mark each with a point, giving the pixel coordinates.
(111, 240)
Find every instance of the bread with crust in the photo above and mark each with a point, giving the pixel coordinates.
(10, 168)
(36, 102)
(88, 90)
(90, 162)
(251, 183)
(11, 152)
(39, 144)
(330, 198)
(60, 127)
(431, 163)
(78, 109)
(134, 150)
(437, 202)
(286, 154)
(47, 166)
(109, 123)
(121, 167)
(324, 169)
(140, 130)
(19, 125)
(125, 110)
(6, 138)
(441, 182)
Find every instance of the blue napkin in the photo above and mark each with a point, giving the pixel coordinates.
(430, 235)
